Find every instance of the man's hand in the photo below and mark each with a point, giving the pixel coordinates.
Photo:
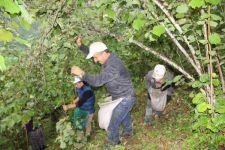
(77, 71)
(79, 40)
(65, 107)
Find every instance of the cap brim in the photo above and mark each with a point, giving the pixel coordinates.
(89, 56)
(157, 77)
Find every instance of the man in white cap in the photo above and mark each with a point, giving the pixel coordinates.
(116, 78)
(158, 92)
(84, 106)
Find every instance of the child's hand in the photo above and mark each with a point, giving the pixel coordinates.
(65, 107)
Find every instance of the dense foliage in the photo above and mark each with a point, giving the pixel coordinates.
(38, 48)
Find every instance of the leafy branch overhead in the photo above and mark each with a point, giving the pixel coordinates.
(38, 48)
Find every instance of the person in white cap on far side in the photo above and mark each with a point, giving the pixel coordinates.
(116, 78)
(158, 92)
(84, 106)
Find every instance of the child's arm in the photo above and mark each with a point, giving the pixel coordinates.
(72, 105)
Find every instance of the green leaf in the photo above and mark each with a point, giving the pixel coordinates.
(214, 2)
(220, 106)
(204, 16)
(5, 35)
(191, 38)
(158, 30)
(70, 2)
(219, 120)
(177, 78)
(214, 38)
(182, 21)
(196, 84)
(216, 82)
(2, 63)
(204, 78)
(138, 23)
(10, 6)
(111, 13)
(199, 98)
(212, 127)
(202, 107)
(180, 15)
(213, 23)
(202, 121)
(196, 3)
(215, 17)
(203, 41)
(14, 24)
(25, 14)
(22, 41)
(25, 23)
(183, 8)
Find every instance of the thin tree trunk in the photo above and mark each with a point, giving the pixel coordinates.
(186, 74)
(210, 62)
(220, 73)
(217, 56)
(205, 33)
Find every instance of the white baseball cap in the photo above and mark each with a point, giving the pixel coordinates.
(159, 72)
(76, 79)
(96, 47)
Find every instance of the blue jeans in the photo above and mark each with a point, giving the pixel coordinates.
(121, 115)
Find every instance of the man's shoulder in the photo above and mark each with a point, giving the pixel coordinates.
(149, 74)
(114, 61)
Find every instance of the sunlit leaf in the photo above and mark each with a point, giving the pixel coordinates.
(216, 82)
(138, 23)
(214, 38)
(215, 17)
(22, 41)
(183, 8)
(214, 2)
(25, 23)
(196, 3)
(220, 106)
(158, 30)
(111, 13)
(204, 78)
(2, 63)
(202, 107)
(5, 36)
(197, 84)
(14, 24)
(213, 23)
(25, 15)
(177, 78)
(10, 6)
(199, 98)
(219, 120)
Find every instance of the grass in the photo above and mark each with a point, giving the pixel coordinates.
(172, 131)
(167, 132)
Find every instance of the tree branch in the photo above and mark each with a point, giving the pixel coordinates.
(177, 43)
(186, 74)
(177, 26)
